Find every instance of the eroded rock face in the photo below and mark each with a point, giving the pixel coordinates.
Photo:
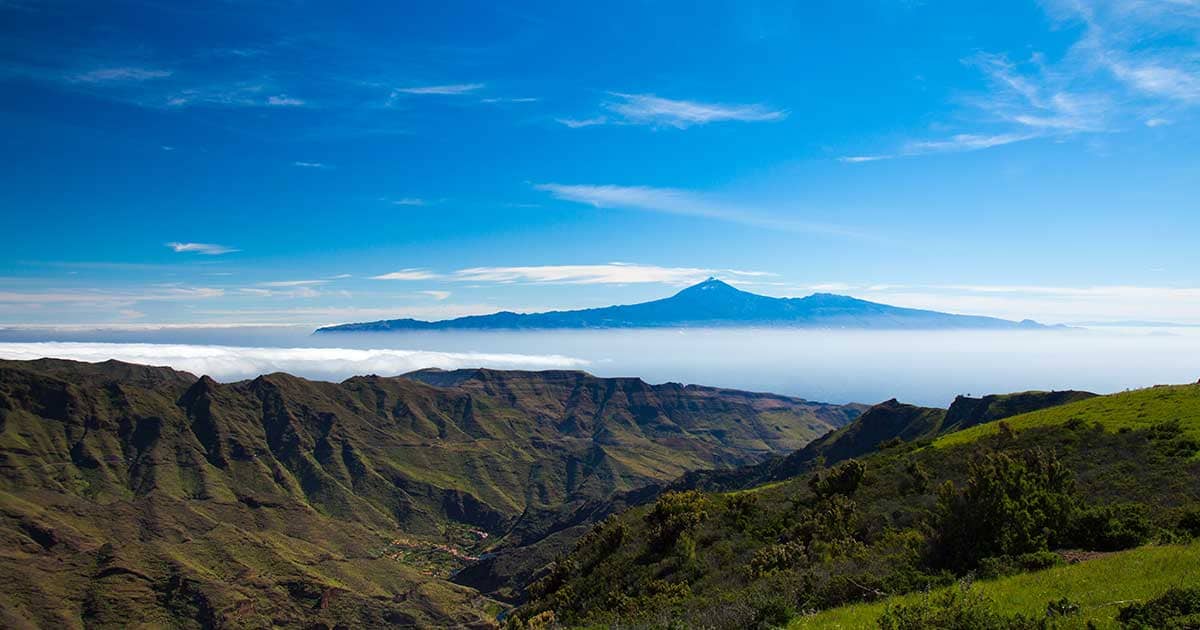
(145, 494)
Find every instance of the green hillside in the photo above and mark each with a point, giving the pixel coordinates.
(1096, 586)
(1129, 410)
(138, 494)
(903, 519)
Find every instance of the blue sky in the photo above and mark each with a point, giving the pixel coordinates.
(298, 162)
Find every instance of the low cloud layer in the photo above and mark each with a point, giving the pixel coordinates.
(230, 363)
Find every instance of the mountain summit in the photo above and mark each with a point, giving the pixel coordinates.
(711, 303)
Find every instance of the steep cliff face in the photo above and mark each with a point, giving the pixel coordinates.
(136, 493)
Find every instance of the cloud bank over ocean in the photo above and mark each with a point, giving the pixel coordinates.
(229, 363)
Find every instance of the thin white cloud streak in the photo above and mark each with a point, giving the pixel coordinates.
(121, 74)
(227, 363)
(611, 273)
(579, 123)
(310, 164)
(442, 90)
(283, 100)
(408, 274)
(292, 283)
(208, 249)
(648, 109)
(529, 99)
(94, 295)
(409, 201)
(437, 295)
(681, 202)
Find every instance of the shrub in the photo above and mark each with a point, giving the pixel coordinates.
(603, 539)
(1189, 523)
(740, 509)
(831, 520)
(556, 575)
(1178, 608)
(843, 480)
(1062, 608)
(1112, 527)
(1008, 506)
(953, 609)
(775, 557)
(1011, 565)
(918, 477)
(675, 513)
(775, 612)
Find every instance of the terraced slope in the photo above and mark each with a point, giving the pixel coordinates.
(137, 494)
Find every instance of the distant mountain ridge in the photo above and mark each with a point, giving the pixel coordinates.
(711, 303)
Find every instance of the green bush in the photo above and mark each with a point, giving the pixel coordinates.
(555, 577)
(774, 558)
(1189, 522)
(775, 612)
(953, 609)
(1177, 609)
(740, 509)
(1112, 527)
(675, 513)
(918, 477)
(990, 568)
(843, 480)
(1008, 506)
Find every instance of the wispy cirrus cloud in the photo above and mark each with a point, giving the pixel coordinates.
(208, 249)
(686, 203)
(119, 74)
(1136, 64)
(409, 201)
(648, 109)
(293, 283)
(441, 90)
(408, 274)
(579, 123)
(524, 99)
(283, 100)
(610, 273)
(656, 111)
(310, 164)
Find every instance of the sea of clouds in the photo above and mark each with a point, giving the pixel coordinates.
(922, 367)
(229, 363)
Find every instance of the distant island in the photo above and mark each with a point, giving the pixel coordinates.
(711, 303)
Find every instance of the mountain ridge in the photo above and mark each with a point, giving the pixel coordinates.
(711, 303)
(134, 494)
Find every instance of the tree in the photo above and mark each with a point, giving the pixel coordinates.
(1008, 506)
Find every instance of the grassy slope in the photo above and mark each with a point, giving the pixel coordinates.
(1137, 574)
(626, 584)
(1134, 409)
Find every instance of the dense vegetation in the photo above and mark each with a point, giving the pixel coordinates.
(905, 519)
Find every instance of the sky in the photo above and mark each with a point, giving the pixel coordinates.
(290, 162)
